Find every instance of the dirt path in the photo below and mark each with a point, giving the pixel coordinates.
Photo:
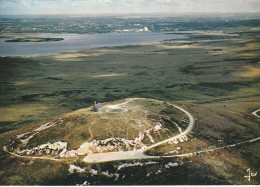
(189, 128)
(213, 149)
(33, 157)
(137, 154)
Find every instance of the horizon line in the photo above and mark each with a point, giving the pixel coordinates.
(147, 13)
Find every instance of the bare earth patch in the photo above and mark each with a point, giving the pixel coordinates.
(251, 72)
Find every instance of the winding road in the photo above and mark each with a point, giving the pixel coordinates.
(255, 113)
(122, 155)
(137, 154)
(189, 128)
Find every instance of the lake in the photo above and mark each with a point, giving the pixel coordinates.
(75, 42)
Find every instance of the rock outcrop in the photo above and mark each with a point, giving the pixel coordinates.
(45, 149)
(100, 146)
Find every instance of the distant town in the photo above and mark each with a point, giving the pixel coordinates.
(88, 24)
(70, 25)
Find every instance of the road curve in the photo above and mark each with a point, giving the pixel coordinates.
(189, 128)
(255, 113)
(122, 155)
(137, 154)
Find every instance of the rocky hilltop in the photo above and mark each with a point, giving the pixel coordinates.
(124, 125)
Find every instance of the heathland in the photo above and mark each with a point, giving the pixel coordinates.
(213, 74)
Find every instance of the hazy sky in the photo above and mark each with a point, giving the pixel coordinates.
(125, 6)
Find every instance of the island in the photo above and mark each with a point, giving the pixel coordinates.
(33, 39)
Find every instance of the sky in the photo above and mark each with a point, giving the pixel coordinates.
(14, 7)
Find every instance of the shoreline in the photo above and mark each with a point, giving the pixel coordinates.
(81, 50)
(74, 42)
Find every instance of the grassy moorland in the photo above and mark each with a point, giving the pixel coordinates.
(213, 75)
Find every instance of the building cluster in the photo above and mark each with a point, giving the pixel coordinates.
(70, 25)
(145, 29)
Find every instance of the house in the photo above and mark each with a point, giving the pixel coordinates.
(96, 107)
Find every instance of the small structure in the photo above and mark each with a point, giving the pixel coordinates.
(96, 107)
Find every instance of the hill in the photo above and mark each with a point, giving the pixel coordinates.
(124, 125)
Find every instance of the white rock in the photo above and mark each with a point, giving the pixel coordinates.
(74, 168)
(94, 172)
(48, 148)
(173, 164)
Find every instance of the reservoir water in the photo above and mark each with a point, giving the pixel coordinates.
(75, 42)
